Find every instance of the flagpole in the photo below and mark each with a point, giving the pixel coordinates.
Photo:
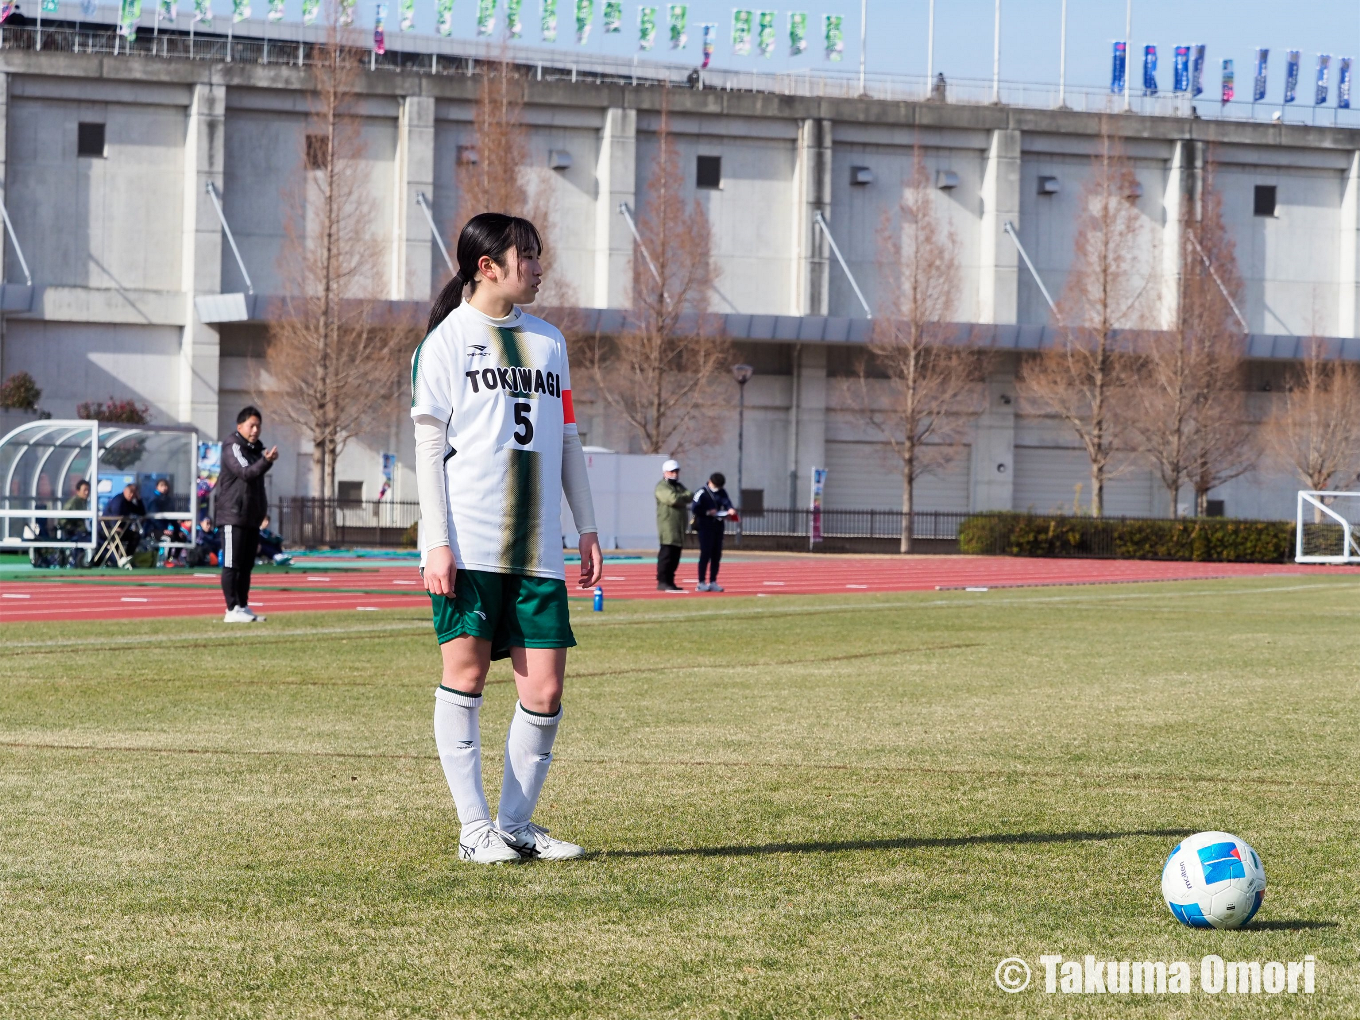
(1128, 51)
(1062, 59)
(930, 49)
(863, 39)
(996, 55)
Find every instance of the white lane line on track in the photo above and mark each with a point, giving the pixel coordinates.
(129, 598)
(15, 595)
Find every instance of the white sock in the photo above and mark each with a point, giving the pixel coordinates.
(528, 753)
(457, 734)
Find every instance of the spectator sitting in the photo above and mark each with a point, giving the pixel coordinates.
(126, 504)
(73, 528)
(207, 544)
(271, 546)
(161, 502)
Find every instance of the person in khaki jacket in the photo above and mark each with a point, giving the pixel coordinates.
(672, 518)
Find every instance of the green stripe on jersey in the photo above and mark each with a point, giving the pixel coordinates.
(521, 519)
(415, 369)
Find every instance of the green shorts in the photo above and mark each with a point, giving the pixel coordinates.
(509, 610)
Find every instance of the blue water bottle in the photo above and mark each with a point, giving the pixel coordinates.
(599, 599)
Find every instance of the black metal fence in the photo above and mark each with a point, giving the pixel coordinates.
(309, 522)
(938, 525)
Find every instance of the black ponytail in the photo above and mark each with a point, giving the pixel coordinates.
(486, 234)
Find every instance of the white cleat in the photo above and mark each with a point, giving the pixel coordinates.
(250, 614)
(236, 616)
(487, 847)
(533, 843)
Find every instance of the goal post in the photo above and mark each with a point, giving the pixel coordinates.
(1327, 527)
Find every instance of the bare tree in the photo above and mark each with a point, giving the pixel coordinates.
(1190, 413)
(330, 346)
(494, 176)
(1316, 426)
(1083, 380)
(657, 371)
(922, 410)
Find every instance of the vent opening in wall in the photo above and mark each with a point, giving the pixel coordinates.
(1048, 185)
(90, 140)
(349, 492)
(708, 172)
(861, 175)
(1264, 200)
(318, 152)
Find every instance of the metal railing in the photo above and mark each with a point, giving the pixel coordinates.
(255, 42)
(309, 522)
(886, 524)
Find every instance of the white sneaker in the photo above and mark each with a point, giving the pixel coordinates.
(533, 843)
(701, 586)
(488, 846)
(715, 586)
(250, 614)
(236, 616)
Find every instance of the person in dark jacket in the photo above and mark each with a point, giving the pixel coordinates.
(126, 504)
(712, 509)
(241, 506)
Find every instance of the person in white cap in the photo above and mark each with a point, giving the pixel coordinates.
(672, 517)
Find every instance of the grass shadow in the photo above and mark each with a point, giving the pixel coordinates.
(903, 843)
(1294, 925)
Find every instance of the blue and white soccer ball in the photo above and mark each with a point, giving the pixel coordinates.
(1213, 880)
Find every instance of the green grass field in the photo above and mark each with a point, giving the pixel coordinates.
(804, 807)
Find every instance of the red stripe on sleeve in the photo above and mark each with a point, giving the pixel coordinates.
(568, 411)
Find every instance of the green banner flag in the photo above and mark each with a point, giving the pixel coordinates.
(646, 28)
(767, 34)
(835, 37)
(585, 15)
(486, 17)
(741, 32)
(310, 8)
(129, 14)
(797, 32)
(613, 17)
(679, 18)
(407, 9)
(549, 22)
(514, 27)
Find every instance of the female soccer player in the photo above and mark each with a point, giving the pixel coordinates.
(496, 448)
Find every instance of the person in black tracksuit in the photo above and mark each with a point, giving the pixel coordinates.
(711, 508)
(241, 506)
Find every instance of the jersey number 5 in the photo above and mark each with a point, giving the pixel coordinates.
(526, 437)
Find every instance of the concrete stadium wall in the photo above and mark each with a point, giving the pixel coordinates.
(119, 247)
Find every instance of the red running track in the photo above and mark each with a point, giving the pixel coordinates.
(107, 597)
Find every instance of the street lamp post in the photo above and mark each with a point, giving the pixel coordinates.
(742, 373)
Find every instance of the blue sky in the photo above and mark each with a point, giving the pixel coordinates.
(963, 34)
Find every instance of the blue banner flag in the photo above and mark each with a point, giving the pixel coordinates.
(1343, 84)
(1291, 75)
(1119, 67)
(1197, 71)
(1228, 83)
(1180, 70)
(1324, 66)
(1149, 70)
(1258, 88)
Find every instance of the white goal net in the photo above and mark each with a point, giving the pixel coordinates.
(1327, 527)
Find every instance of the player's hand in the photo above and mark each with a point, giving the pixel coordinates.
(440, 571)
(592, 561)
(272, 453)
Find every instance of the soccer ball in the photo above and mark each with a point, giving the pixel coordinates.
(1213, 880)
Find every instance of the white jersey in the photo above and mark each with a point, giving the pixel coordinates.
(503, 388)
